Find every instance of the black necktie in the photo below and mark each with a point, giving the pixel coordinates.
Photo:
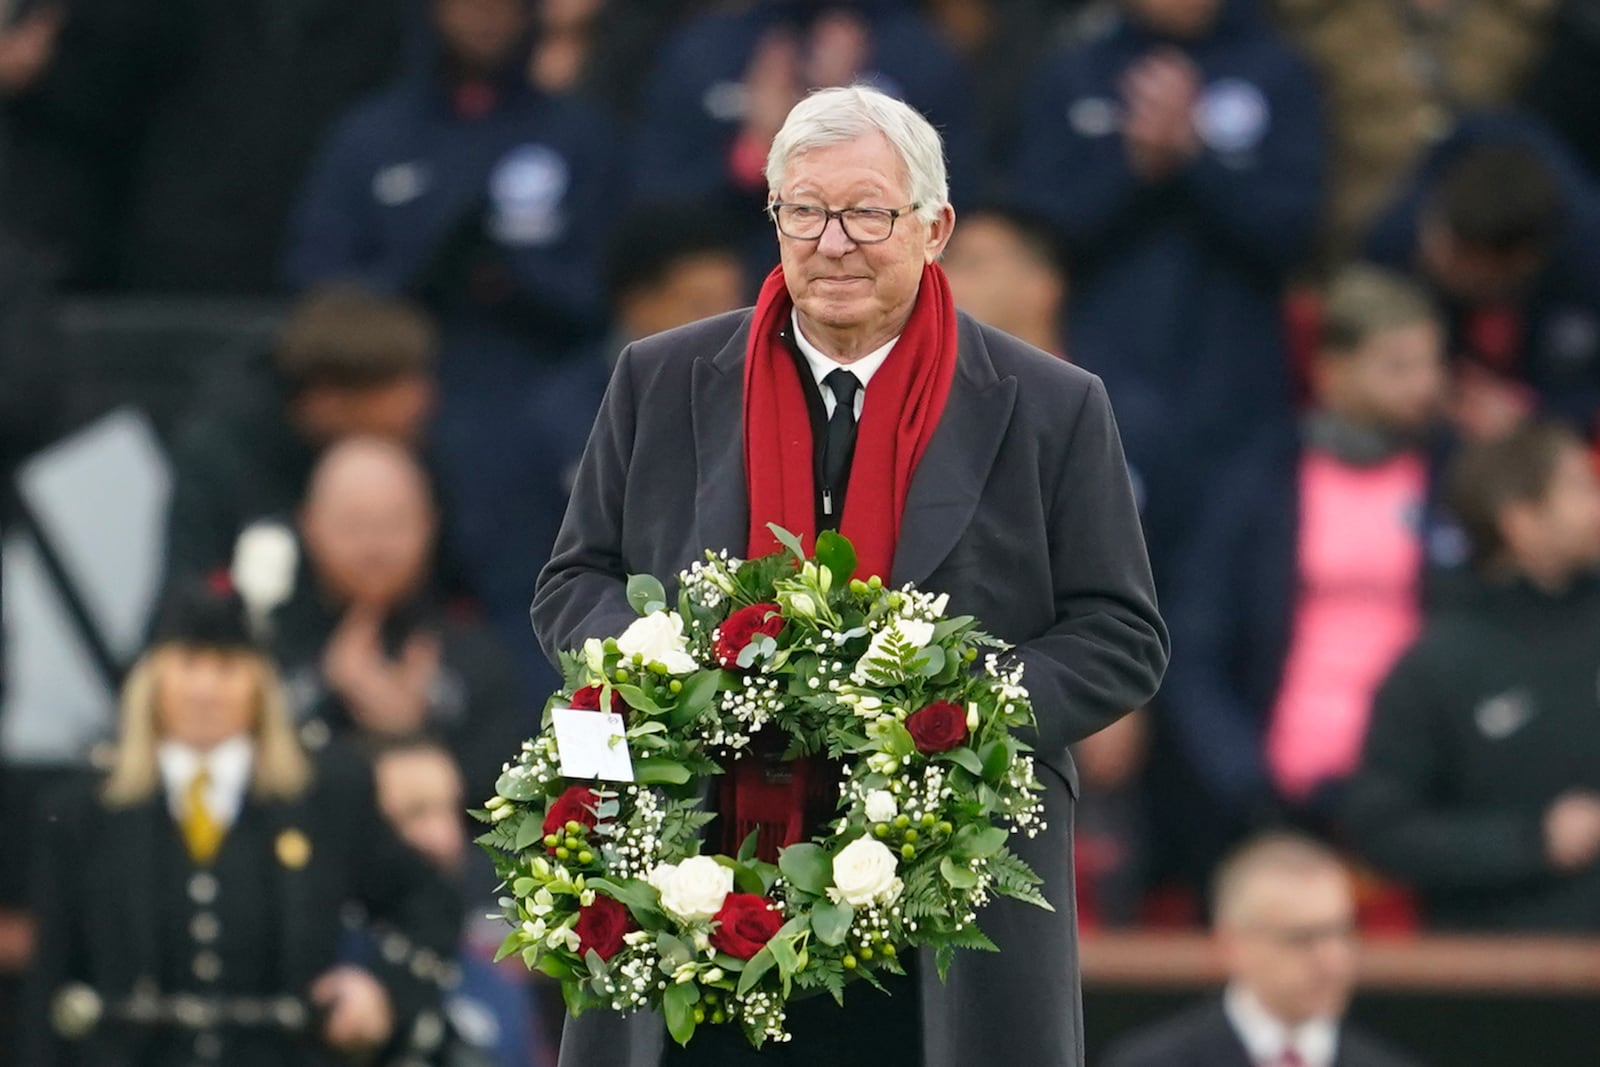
(840, 442)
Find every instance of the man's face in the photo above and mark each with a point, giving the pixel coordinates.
(995, 276)
(420, 793)
(696, 287)
(205, 696)
(1395, 381)
(398, 410)
(1473, 273)
(865, 292)
(369, 534)
(1184, 19)
(481, 35)
(1561, 532)
(1292, 943)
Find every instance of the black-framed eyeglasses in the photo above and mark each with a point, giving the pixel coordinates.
(862, 225)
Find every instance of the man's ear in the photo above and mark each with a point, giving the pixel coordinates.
(939, 231)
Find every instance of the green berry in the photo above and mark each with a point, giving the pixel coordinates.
(622, 674)
(902, 820)
(875, 582)
(911, 835)
(928, 821)
(946, 828)
(849, 962)
(699, 1016)
(551, 840)
(970, 654)
(674, 686)
(586, 856)
(719, 1016)
(562, 853)
(710, 998)
(866, 952)
(888, 950)
(880, 830)
(574, 826)
(908, 852)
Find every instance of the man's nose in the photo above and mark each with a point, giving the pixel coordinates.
(834, 240)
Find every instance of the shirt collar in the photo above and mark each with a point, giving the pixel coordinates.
(229, 764)
(1265, 1037)
(822, 364)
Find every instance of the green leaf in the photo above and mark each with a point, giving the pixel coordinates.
(964, 757)
(806, 867)
(673, 950)
(677, 1003)
(759, 965)
(644, 590)
(555, 967)
(784, 955)
(996, 760)
(932, 660)
(945, 627)
(747, 848)
(787, 540)
(659, 772)
(529, 830)
(831, 922)
(509, 945)
(699, 690)
(958, 877)
(517, 786)
(943, 958)
(973, 842)
(835, 552)
(637, 895)
(636, 699)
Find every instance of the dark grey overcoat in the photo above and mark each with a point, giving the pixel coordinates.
(1020, 510)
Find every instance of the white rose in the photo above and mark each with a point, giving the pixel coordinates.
(863, 872)
(881, 806)
(265, 558)
(658, 637)
(694, 889)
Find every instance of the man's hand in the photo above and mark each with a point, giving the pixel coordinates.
(27, 48)
(1113, 757)
(1486, 406)
(360, 1016)
(383, 695)
(1159, 93)
(1572, 830)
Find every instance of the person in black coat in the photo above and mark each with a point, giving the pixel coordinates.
(1480, 783)
(188, 907)
(1285, 924)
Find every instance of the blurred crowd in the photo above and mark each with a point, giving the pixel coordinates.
(1337, 261)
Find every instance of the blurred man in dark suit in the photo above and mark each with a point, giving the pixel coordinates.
(1285, 924)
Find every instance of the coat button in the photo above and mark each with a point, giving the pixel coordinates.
(204, 927)
(207, 966)
(203, 888)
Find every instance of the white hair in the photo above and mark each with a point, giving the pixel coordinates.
(834, 116)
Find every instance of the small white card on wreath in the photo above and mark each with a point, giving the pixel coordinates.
(592, 745)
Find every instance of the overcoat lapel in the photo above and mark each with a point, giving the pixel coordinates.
(950, 478)
(722, 503)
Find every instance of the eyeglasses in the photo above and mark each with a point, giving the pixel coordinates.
(861, 225)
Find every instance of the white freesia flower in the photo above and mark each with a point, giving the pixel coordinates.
(899, 631)
(659, 638)
(594, 656)
(265, 558)
(940, 603)
(881, 806)
(694, 889)
(802, 604)
(864, 872)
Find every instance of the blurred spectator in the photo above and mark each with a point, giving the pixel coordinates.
(724, 83)
(668, 265)
(1109, 848)
(1179, 155)
(366, 649)
(599, 49)
(161, 146)
(233, 854)
(1285, 926)
(347, 363)
(1505, 227)
(1396, 74)
(1480, 784)
(1005, 270)
(1304, 579)
(1565, 88)
(490, 1017)
(490, 201)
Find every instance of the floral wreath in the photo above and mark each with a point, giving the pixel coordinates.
(608, 890)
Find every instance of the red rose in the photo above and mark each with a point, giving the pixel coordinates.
(744, 925)
(939, 727)
(577, 804)
(588, 699)
(740, 628)
(601, 926)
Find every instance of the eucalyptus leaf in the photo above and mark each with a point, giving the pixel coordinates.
(973, 842)
(958, 877)
(659, 772)
(932, 661)
(677, 1004)
(645, 590)
(787, 540)
(759, 965)
(806, 867)
(517, 785)
(831, 922)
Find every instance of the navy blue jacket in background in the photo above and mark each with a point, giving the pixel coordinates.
(693, 105)
(1231, 605)
(1177, 287)
(1560, 337)
(412, 198)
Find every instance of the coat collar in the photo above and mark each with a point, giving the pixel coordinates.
(945, 489)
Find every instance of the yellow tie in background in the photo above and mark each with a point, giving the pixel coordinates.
(202, 833)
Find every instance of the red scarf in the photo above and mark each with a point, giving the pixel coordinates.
(897, 421)
(898, 418)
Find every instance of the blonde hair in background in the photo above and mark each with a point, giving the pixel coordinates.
(1278, 852)
(1363, 301)
(281, 770)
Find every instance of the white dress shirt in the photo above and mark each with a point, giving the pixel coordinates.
(1266, 1038)
(822, 365)
(229, 764)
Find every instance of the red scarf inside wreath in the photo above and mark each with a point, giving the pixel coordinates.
(898, 419)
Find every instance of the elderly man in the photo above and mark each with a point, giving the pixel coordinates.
(854, 396)
(1285, 926)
